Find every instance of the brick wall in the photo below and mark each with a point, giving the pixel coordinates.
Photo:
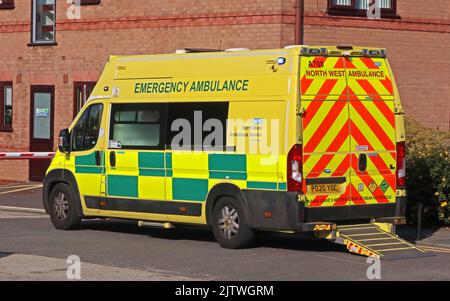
(118, 27)
(418, 46)
(418, 49)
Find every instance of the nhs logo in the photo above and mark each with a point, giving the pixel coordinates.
(257, 121)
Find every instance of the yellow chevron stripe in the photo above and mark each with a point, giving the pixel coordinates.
(341, 120)
(366, 130)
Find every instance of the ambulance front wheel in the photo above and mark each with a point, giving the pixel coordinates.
(63, 213)
(230, 226)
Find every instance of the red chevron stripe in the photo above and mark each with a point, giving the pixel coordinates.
(369, 63)
(369, 89)
(343, 167)
(318, 201)
(381, 166)
(344, 63)
(356, 197)
(333, 147)
(367, 179)
(349, 64)
(339, 64)
(373, 124)
(316, 103)
(340, 171)
(320, 165)
(306, 157)
(386, 111)
(387, 83)
(325, 126)
(343, 198)
(384, 170)
(315, 63)
(305, 83)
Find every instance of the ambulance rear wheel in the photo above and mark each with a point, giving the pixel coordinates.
(62, 208)
(230, 226)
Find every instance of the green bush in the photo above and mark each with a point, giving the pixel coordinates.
(427, 173)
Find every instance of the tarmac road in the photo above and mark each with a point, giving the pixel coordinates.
(31, 249)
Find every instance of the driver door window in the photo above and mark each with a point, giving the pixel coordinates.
(85, 132)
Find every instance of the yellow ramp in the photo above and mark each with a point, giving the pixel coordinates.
(371, 240)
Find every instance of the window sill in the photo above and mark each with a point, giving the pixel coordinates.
(90, 2)
(7, 6)
(350, 13)
(6, 130)
(42, 44)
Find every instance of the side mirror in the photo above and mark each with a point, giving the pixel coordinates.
(64, 141)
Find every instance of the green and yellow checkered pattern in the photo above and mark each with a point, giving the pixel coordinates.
(184, 176)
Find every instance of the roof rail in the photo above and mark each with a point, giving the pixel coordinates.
(196, 50)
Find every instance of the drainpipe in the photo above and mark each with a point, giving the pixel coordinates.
(299, 16)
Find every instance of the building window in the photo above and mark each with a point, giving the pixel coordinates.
(82, 91)
(6, 4)
(388, 8)
(6, 106)
(43, 22)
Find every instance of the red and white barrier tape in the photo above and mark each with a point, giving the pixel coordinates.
(26, 156)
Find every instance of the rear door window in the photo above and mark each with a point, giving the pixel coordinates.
(197, 126)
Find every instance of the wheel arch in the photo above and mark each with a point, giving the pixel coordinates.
(64, 176)
(224, 190)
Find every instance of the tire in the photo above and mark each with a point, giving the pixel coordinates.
(63, 213)
(230, 225)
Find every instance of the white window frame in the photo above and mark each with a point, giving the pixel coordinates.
(34, 41)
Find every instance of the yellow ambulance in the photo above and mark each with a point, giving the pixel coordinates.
(300, 139)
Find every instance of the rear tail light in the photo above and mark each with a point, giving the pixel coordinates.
(294, 168)
(401, 164)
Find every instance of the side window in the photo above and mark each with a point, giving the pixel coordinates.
(138, 126)
(85, 132)
(197, 126)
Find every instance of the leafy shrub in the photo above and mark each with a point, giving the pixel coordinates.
(428, 173)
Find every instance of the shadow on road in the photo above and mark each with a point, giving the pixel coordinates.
(5, 254)
(296, 242)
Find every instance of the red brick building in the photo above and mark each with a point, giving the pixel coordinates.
(49, 60)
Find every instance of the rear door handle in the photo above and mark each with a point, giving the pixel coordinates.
(112, 159)
(362, 162)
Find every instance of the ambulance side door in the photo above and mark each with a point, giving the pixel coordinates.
(135, 165)
(87, 157)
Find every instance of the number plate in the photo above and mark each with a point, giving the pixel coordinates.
(325, 188)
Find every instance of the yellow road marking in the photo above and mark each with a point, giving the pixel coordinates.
(436, 249)
(21, 189)
(17, 186)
